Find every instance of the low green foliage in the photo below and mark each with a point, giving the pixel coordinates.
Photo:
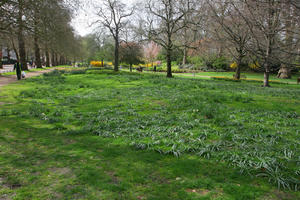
(210, 125)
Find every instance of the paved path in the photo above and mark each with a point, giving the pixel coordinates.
(5, 80)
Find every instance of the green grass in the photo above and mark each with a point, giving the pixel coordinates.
(246, 76)
(91, 134)
(249, 75)
(37, 69)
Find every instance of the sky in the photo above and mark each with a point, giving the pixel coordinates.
(84, 16)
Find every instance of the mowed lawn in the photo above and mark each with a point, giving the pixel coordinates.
(244, 76)
(94, 134)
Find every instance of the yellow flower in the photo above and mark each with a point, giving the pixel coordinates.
(233, 65)
(255, 65)
(96, 63)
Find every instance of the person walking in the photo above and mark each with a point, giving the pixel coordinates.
(17, 67)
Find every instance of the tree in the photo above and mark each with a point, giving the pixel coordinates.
(1, 66)
(166, 18)
(264, 18)
(43, 23)
(113, 15)
(151, 51)
(21, 6)
(234, 29)
(131, 53)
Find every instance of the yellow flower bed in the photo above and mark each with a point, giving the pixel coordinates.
(100, 64)
(96, 63)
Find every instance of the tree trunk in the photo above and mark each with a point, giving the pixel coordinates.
(21, 41)
(1, 65)
(37, 54)
(284, 72)
(22, 52)
(67, 61)
(237, 75)
(266, 76)
(116, 66)
(14, 48)
(8, 53)
(53, 59)
(238, 69)
(169, 63)
(221, 50)
(184, 56)
(62, 60)
(56, 59)
(47, 55)
(130, 67)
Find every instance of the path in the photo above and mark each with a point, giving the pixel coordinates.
(5, 80)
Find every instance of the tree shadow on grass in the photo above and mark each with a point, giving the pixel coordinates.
(47, 164)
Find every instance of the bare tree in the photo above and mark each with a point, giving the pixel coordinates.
(265, 21)
(234, 29)
(194, 22)
(113, 15)
(1, 66)
(166, 18)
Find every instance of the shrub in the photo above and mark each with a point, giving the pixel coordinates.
(254, 66)
(220, 63)
(197, 61)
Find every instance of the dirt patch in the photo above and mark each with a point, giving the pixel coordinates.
(5, 197)
(113, 177)
(5, 80)
(283, 195)
(69, 141)
(12, 186)
(156, 178)
(61, 171)
(218, 193)
(158, 102)
(202, 192)
(2, 183)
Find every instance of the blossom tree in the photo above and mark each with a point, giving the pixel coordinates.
(151, 51)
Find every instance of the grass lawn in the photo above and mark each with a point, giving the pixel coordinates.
(249, 76)
(94, 134)
(246, 76)
(37, 69)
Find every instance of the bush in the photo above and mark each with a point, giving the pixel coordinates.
(209, 63)
(220, 63)
(197, 61)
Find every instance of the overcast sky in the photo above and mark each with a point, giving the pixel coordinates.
(85, 17)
